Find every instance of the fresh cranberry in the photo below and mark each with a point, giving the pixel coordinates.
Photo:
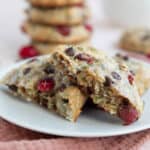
(131, 79)
(46, 85)
(85, 57)
(128, 114)
(88, 27)
(27, 52)
(64, 30)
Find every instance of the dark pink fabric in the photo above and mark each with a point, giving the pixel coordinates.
(17, 138)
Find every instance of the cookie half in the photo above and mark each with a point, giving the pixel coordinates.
(136, 40)
(46, 48)
(38, 81)
(55, 3)
(59, 16)
(109, 84)
(57, 34)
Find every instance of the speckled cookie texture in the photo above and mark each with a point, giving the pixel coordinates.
(55, 3)
(72, 15)
(110, 84)
(39, 81)
(57, 34)
(46, 48)
(136, 40)
(139, 69)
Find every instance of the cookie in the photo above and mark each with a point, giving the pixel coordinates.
(58, 16)
(57, 34)
(109, 84)
(139, 69)
(136, 40)
(55, 3)
(46, 48)
(38, 81)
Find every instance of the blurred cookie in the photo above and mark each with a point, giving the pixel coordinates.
(136, 40)
(59, 16)
(46, 48)
(138, 68)
(55, 3)
(57, 34)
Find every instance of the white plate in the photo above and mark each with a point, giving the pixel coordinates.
(91, 123)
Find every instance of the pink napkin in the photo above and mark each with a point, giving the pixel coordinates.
(16, 138)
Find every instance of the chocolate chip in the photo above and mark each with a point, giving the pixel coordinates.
(146, 37)
(116, 76)
(85, 57)
(70, 51)
(132, 72)
(62, 87)
(13, 88)
(108, 81)
(65, 101)
(26, 71)
(49, 69)
(126, 58)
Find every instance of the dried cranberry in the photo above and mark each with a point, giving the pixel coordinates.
(127, 113)
(64, 30)
(70, 51)
(108, 81)
(27, 52)
(116, 76)
(46, 85)
(88, 27)
(85, 57)
(26, 71)
(131, 79)
(49, 69)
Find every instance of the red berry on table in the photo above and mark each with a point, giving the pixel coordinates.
(128, 114)
(46, 85)
(63, 30)
(88, 27)
(28, 52)
(131, 79)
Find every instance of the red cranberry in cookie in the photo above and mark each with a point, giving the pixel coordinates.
(46, 85)
(63, 30)
(88, 27)
(85, 57)
(127, 113)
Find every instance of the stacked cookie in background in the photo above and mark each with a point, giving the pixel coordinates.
(52, 23)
